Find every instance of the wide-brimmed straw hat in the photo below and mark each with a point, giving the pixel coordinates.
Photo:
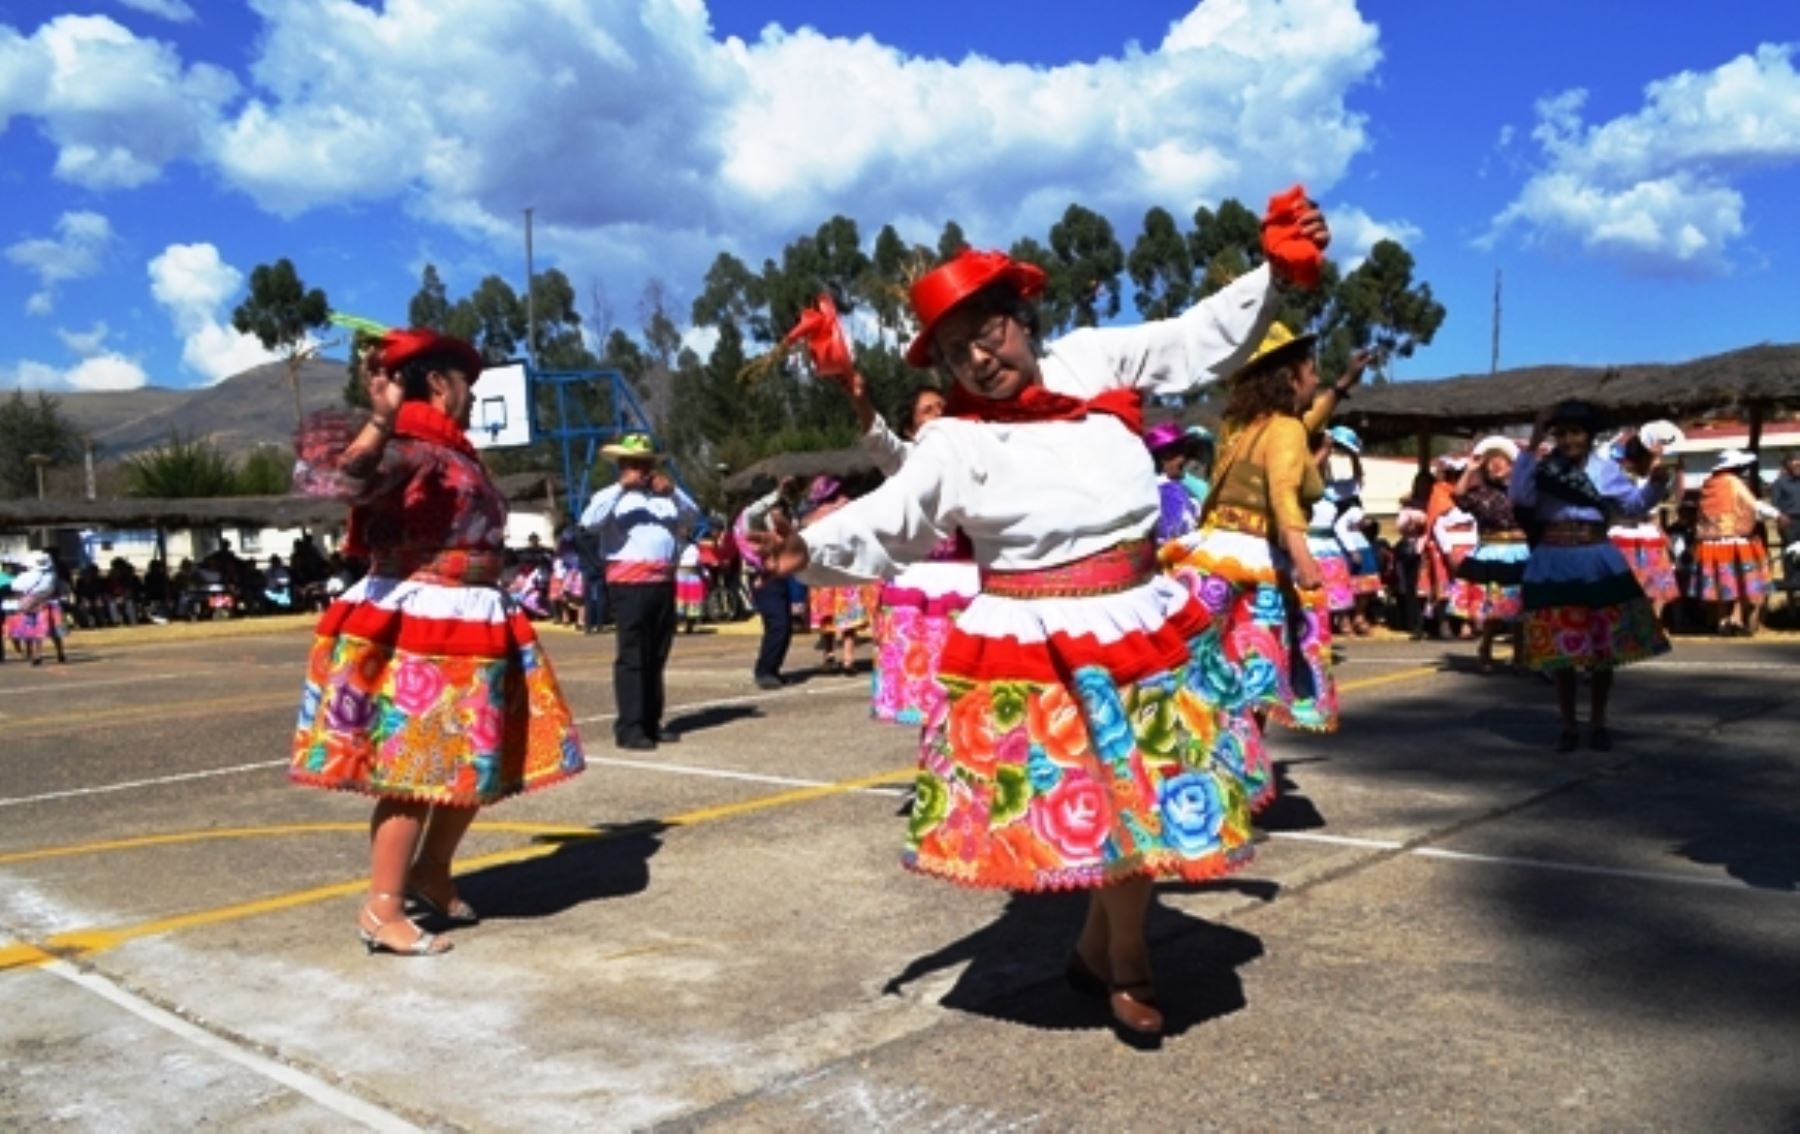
(1345, 437)
(632, 447)
(1166, 435)
(1660, 434)
(938, 291)
(1279, 345)
(1496, 444)
(1733, 459)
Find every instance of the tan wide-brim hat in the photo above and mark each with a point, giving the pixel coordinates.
(633, 447)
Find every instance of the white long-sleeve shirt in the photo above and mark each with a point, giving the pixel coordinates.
(1038, 494)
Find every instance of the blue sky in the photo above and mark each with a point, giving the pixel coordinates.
(1624, 164)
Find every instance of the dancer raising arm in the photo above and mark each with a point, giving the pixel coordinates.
(1082, 744)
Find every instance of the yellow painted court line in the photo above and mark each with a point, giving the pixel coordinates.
(1413, 674)
(86, 942)
(165, 710)
(90, 941)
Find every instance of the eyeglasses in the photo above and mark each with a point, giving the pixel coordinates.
(990, 336)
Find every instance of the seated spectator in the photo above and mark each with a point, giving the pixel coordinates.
(157, 592)
(123, 592)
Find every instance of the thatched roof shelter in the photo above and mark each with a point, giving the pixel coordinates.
(840, 463)
(1752, 382)
(198, 512)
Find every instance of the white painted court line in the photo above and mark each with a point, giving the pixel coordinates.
(337, 1101)
(264, 765)
(727, 774)
(1335, 840)
(128, 785)
(1597, 871)
(1441, 854)
(72, 686)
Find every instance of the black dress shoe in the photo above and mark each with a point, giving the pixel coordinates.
(636, 744)
(769, 681)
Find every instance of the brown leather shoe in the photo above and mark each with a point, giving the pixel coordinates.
(1134, 1011)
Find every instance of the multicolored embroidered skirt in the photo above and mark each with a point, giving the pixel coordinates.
(38, 625)
(911, 631)
(1334, 567)
(1489, 583)
(1080, 743)
(1365, 565)
(1585, 610)
(1276, 636)
(1652, 565)
(431, 692)
(690, 595)
(843, 610)
(1730, 570)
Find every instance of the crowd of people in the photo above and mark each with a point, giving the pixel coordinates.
(1090, 621)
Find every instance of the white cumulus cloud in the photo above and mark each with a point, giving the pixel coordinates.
(76, 251)
(645, 142)
(109, 371)
(118, 108)
(177, 11)
(86, 343)
(1354, 232)
(1657, 187)
(194, 285)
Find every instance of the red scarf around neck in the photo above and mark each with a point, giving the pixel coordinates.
(1035, 403)
(423, 422)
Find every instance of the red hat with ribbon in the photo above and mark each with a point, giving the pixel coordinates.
(403, 346)
(938, 291)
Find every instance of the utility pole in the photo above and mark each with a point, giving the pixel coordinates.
(87, 460)
(530, 299)
(1494, 363)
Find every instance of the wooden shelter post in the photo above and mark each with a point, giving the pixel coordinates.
(1424, 451)
(1756, 424)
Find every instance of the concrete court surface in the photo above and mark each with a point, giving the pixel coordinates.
(1447, 926)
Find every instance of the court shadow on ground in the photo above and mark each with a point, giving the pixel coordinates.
(613, 862)
(1291, 810)
(714, 716)
(1015, 965)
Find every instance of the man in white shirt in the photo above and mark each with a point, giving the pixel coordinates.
(641, 522)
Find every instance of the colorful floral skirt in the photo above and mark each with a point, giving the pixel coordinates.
(1365, 565)
(1276, 636)
(690, 596)
(1730, 570)
(1651, 563)
(1080, 743)
(1489, 583)
(843, 610)
(1585, 610)
(35, 625)
(1335, 568)
(911, 631)
(434, 693)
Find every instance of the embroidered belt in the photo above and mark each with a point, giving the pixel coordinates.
(628, 571)
(1250, 521)
(1503, 537)
(456, 567)
(1118, 568)
(1573, 533)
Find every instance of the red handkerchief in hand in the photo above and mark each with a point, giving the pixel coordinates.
(1292, 255)
(820, 332)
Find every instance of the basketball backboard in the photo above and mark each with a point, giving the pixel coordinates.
(502, 414)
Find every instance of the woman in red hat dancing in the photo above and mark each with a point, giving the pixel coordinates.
(426, 688)
(1079, 746)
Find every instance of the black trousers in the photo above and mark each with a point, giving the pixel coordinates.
(645, 616)
(776, 612)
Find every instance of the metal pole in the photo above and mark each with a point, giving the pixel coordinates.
(88, 462)
(1494, 362)
(530, 297)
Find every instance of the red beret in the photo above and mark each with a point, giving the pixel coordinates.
(940, 290)
(401, 347)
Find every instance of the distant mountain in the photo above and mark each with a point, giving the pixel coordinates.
(248, 409)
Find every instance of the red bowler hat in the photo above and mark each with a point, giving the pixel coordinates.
(938, 291)
(400, 347)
